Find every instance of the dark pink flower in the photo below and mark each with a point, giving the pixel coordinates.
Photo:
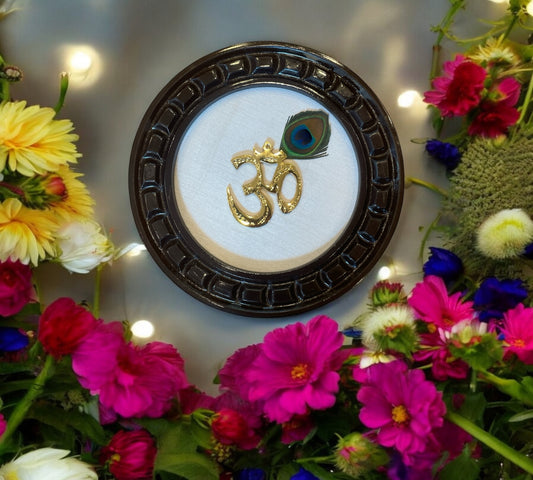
(493, 119)
(130, 455)
(434, 349)
(296, 429)
(191, 399)
(3, 424)
(233, 371)
(517, 330)
(402, 405)
(297, 369)
(63, 325)
(131, 380)
(16, 288)
(459, 90)
(236, 421)
(432, 304)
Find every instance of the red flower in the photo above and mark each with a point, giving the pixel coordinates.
(130, 455)
(16, 289)
(63, 325)
(493, 119)
(229, 427)
(459, 90)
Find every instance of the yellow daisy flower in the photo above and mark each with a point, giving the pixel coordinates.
(76, 202)
(32, 142)
(26, 235)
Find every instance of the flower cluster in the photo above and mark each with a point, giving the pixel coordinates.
(46, 212)
(481, 103)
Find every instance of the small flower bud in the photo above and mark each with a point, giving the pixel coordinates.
(11, 73)
(356, 454)
(384, 293)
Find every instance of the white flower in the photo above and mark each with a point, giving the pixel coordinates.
(47, 464)
(505, 234)
(383, 319)
(371, 357)
(83, 246)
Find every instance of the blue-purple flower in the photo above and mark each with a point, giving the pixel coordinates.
(444, 264)
(12, 339)
(250, 474)
(494, 297)
(446, 153)
(303, 474)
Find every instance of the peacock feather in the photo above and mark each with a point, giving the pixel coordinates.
(306, 135)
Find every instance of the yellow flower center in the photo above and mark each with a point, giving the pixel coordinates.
(519, 343)
(400, 415)
(300, 372)
(11, 476)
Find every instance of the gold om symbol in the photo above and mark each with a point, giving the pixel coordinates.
(259, 184)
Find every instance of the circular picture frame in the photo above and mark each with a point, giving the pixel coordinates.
(178, 250)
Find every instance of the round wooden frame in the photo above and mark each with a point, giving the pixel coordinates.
(179, 254)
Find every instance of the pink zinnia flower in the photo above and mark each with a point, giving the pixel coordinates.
(132, 380)
(433, 305)
(130, 455)
(402, 405)
(297, 369)
(517, 330)
(459, 90)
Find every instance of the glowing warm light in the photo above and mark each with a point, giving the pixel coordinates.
(136, 250)
(529, 8)
(408, 98)
(80, 62)
(142, 329)
(83, 64)
(384, 273)
(499, 1)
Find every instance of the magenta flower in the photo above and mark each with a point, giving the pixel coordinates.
(231, 374)
(432, 304)
(434, 349)
(296, 369)
(517, 330)
(402, 405)
(130, 455)
(131, 380)
(459, 90)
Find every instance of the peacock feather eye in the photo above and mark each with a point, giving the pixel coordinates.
(306, 135)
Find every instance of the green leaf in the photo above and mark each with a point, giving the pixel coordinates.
(192, 466)
(463, 467)
(62, 420)
(15, 385)
(522, 416)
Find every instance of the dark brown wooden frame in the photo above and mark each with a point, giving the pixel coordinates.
(153, 159)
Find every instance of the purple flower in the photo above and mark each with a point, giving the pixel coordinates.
(303, 474)
(446, 153)
(444, 264)
(250, 474)
(494, 297)
(12, 339)
(528, 251)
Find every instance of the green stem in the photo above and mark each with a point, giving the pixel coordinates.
(429, 186)
(527, 99)
(22, 407)
(97, 290)
(63, 87)
(492, 442)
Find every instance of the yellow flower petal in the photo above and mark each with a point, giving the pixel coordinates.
(32, 141)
